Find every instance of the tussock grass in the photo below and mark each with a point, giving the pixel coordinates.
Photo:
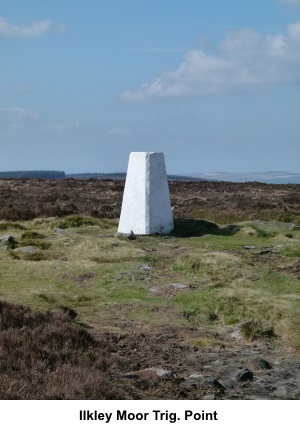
(4, 226)
(230, 285)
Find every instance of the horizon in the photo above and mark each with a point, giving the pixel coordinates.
(213, 85)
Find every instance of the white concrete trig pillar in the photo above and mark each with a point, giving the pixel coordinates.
(146, 207)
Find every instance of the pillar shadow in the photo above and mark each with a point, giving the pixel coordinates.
(195, 227)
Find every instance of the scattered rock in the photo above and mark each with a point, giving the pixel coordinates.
(237, 334)
(149, 373)
(275, 225)
(131, 236)
(244, 375)
(189, 383)
(145, 267)
(209, 397)
(8, 241)
(226, 383)
(196, 376)
(177, 286)
(213, 382)
(268, 251)
(27, 249)
(60, 230)
(5, 238)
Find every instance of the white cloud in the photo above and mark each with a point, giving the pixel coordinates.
(244, 58)
(35, 29)
(17, 113)
(63, 127)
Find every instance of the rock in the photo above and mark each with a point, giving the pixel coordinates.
(177, 286)
(270, 226)
(27, 249)
(189, 383)
(249, 247)
(226, 383)
(244, 375)
(213, 382)
(9, 241)
(237, 334)
(59, 230)
(268, 251)
(162, 373)
(131, 236)
(5, 237)
(209, 397)
(196, 376)
(150, 373)
(145, 267)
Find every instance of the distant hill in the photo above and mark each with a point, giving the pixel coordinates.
(33, 174)
(272, 177)
(121, 176)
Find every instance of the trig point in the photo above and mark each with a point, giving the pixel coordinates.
(146, 207)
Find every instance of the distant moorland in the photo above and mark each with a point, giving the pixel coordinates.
(272, 177)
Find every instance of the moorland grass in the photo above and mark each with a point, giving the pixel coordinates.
(98, 274)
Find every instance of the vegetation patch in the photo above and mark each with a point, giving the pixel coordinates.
(257, 329)
(76, 221)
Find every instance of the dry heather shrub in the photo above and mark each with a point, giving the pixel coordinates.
(47, 356)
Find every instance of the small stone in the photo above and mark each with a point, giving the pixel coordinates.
(209, 397)
(213, 382)
(177, 286)
(189, 383)
(145, 267)
(59, 230)
(131, 236)
(244, 375)
(227, 384)
(249, 247)
(196, 376)
(237, 334)
(149, 373)
(27, 249)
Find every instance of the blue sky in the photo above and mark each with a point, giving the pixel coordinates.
(214, 84)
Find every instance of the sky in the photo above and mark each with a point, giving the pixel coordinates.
(213, 84)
